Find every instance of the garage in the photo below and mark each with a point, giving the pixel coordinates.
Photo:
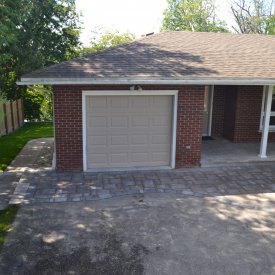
(129, 130)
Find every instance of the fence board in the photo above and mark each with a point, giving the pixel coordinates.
(2, 121)
(9, 117)
(13, 116)
(20, 112)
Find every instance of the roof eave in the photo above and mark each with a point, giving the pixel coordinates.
(145, 81)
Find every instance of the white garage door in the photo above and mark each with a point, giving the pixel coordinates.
(128, 131)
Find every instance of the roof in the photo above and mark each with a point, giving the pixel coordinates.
(171, 57)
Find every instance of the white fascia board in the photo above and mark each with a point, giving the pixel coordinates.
(144, 81)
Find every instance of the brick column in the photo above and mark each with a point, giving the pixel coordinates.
(68, 128)
(189, 126)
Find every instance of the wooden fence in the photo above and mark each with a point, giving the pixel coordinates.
(13, 116)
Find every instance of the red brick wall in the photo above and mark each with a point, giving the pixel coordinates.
(248, 114)
(230, 112)
(68, 124)
(189, 130)
(239, 112)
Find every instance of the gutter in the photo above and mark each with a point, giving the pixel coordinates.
(144, 81)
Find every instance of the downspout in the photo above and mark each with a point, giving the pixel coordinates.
(50, 92)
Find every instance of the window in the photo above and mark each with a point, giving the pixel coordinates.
(272, 115)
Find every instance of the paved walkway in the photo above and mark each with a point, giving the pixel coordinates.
(8, 184)
(36, 155)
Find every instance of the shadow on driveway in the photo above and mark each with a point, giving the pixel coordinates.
(150, 234)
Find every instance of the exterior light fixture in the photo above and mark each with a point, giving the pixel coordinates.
(136, 88)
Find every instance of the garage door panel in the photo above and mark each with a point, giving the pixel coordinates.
(159, 156)
(119, 158)
(100, 131)
(127, 148)
(129, 131)
(160, 139)
(140, 121)
(155, 149)
(138, 139)
(96, 104)
(140, 157)
(98, 140)
(119, 121)
(97, 158)
(97, 121)
(118, 102)
(161, 120)
(119, 140)
(140, 102)
(107, 149)
(160, 101)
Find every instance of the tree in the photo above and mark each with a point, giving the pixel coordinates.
(49, 33)
(107, 39)
(254, 16)
(9, 20)
(36, 34)
(192, 15)
(32, 105)
(38, 104)
(270, 28)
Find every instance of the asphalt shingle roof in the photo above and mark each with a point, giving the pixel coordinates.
(175, 55)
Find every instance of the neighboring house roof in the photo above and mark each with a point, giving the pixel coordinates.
(171, 57)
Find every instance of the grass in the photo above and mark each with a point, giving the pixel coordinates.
(11, 144)
(6, 218)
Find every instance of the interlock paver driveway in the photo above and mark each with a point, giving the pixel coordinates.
(49, 186)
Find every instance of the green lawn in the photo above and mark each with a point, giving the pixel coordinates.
(10, 145)
(6, 218)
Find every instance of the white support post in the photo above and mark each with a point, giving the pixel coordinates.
(266, 122)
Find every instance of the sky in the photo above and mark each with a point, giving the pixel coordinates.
(135, 16)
